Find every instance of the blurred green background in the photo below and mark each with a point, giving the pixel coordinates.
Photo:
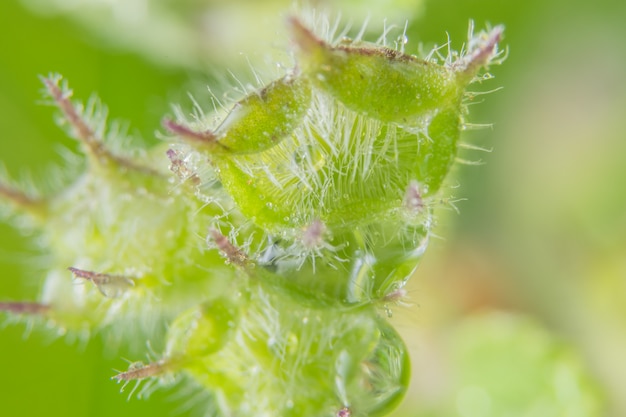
(520, 308)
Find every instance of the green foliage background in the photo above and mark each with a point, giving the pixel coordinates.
(542, 234)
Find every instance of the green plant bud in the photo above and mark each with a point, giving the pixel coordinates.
(355, 162)
(256, 123)
(264, 118)
(377, 81)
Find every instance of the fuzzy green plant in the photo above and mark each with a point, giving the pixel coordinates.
(270, 239)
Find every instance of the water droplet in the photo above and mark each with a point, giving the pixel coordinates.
(309, 157)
